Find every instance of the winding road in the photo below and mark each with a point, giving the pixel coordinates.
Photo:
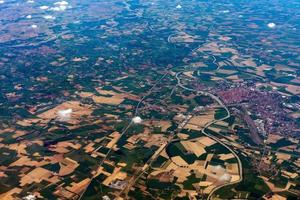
(213, 137)
(153, 158)
(148, 164)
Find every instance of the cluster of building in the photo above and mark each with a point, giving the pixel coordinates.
(267, 109)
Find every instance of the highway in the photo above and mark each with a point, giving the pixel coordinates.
(126, 128)
(156, 154)
(213, 137)
(152, 159)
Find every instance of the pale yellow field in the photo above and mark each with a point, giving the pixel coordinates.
(89, 147)
(19, 133)
(36, 176)
(193, 127)
(205, 183)
(116, 175)
(215, 78)
(283, 156)
(79, 187)
(78, 110)
(183, 37)
(28, 122)
(206, 141)
(26, 161)
(214, 129)
(86, 94)
(226, 71)
(164, 124)
(108, 100)
(179, 161)
(62, 147)
(272, 138)
(9, 130)
(249, 62)
(67, 166)
(20, 148)
(115, 137)
(199, 121)
(226, 156)
(222, 123)
(189, 74)
(233, 78)
(183, 136)
(260, 69)
(9, 194)
(294, 89)
(232, 168)
(216, 48)
(105, 92)
(193, 147)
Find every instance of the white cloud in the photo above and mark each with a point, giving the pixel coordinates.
(178, 6)
(34, 26)
(44, 7)
(221, 172)
(225, 177)
(105, 198)
(271, 25)
(61, 3)
(60, 6)
(1, 1)
(48, 17)
(29, 197)
(217, 168)
(30, 1)
(64, 115)
(137, 120)
(28, 17)
(225, 11)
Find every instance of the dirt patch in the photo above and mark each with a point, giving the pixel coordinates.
(67, 166)
(36, 176)
(77, 110)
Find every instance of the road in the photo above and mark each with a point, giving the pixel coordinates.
(213, 137)
(153, 158)
(126, 128)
